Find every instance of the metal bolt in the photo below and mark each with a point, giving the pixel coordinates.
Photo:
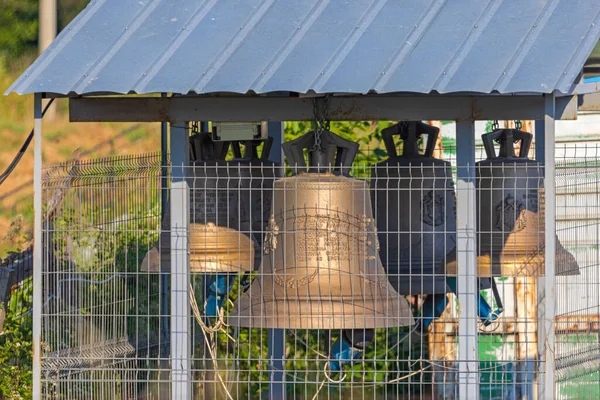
(144, 74)
(535, 25)
(416, 26)
(476, 26)
(444, 72)
(504, 73)
(183, 29)
(126, 28)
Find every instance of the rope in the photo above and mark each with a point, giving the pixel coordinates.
(220, 325)
(11, 167)
(210, 331)
(328, 378)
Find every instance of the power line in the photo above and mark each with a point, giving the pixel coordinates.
(22, 150)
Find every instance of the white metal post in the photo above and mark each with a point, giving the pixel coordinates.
(276, 342)
(466, 251)
(540, 148)
(549, 300)
(37, 247)
(180, 268)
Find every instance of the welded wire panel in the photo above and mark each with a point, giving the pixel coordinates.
(578, 296)
(355, 274)
(101, 322)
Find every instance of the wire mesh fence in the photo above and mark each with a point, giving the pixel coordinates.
(578, 296)
(356, 270)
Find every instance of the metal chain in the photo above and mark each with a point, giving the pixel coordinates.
(317, 126)
(321, 122)
(518, 124)
(195, 127)
(325, 120)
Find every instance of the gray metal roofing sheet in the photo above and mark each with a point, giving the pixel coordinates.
(354, 46)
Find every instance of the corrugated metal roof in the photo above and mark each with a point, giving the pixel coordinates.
(355, 46)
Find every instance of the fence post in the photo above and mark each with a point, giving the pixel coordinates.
(276, 337)
(37, 247)
(180, 268)
(466, 252)
(547, 303)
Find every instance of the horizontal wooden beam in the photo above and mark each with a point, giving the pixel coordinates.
(342, 108)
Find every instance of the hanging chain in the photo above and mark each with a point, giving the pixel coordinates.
(495, 125)
(321, 122)
(518, 124)
(195, 127)
(317, 126)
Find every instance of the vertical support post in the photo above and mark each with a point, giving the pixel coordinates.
(180, 268)
(276, 131)
(276, 337)
(540, 148)
(548, 304)
(164, 198)
(466, 252)
(164, 272)
(210, 375)
(540, 141)
(37, 247)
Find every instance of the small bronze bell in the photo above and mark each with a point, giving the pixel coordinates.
(229, 207)
(321, 269)
(415, 208)
(510, 201)
(231, 201)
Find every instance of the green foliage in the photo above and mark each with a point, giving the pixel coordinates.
(16, 345)
(68, 9)
(18, 26)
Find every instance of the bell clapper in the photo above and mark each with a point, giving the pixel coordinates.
(218, 288)
(434, 306)
(349, 347)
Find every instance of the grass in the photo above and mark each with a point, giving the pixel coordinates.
(61, 139)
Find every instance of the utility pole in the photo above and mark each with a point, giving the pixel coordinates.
(47, 33)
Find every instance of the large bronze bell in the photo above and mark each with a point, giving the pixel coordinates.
(229, 207)
(321, 269)
(510, 201)
(414, 205)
